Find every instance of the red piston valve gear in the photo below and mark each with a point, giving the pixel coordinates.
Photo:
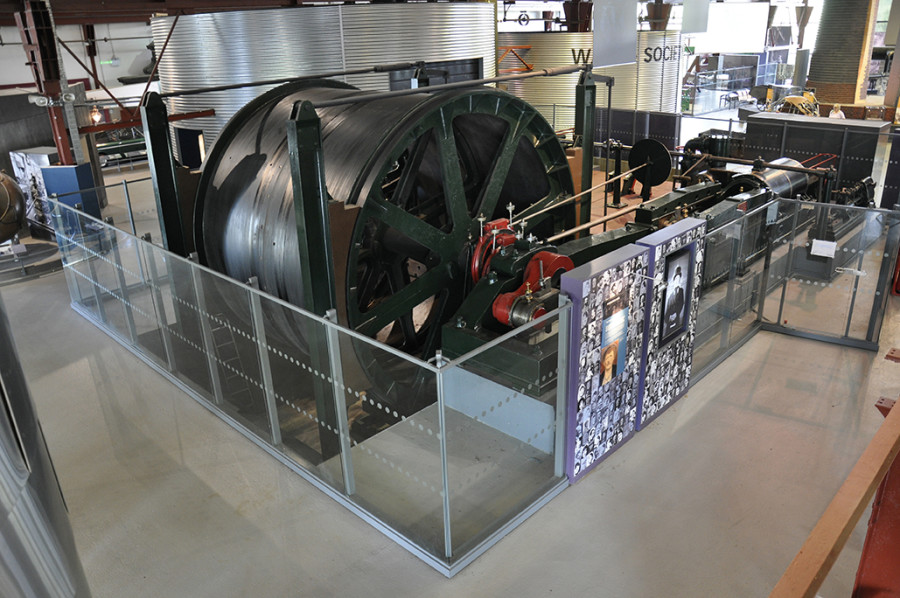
(495, 236)
(528, 302)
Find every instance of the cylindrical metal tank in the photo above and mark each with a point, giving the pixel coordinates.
(255, 45)
(783, 183)
(652, 83)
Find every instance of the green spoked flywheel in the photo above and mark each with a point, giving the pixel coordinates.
(425, 170)
(454, 161)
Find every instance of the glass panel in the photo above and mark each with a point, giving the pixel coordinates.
(84, 267)
(65, 227)
(714, 315)
(141, 298)
(143, 203)
(749, 270)
(865, 292)
(391, 404)
(236, 353)
(829, 270)
(816, 297)
(116, 207)
(184, 327)
(108, 276)
(302, 390)
(501, 420)
(784, 240)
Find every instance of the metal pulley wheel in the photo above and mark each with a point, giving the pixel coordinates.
(421, 168)
(653, 156)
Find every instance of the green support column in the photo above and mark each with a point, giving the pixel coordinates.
(585, 103)
(162, 168)
(304, 134)
(311, 208)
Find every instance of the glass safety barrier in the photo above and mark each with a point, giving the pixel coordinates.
(405, 443)
(820, 271)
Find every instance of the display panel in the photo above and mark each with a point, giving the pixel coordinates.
(27, 164)
(676, 269)
(609, 296)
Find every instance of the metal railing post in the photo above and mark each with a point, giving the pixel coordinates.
(332, 340)
(789, 266)
(265, 367)
(128, 207)
(562, 388)
(445, 477)
(206, 335)
(162, 320)
(112, 239)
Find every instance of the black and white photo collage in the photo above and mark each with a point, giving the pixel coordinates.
(667, 369)
(610, 349)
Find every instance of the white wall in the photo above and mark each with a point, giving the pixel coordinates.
(132, 53)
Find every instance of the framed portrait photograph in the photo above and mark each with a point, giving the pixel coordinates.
(614, 333)
(677, 295)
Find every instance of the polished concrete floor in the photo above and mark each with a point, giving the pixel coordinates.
(714, 498)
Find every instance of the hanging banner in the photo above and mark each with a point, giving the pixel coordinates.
(615, 32)
(695, 16)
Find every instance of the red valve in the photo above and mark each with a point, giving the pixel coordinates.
(518, 306)
(489, 244)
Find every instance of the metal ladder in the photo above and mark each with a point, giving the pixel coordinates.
(235, 388)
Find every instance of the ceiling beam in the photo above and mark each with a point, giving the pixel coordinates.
(93, 12)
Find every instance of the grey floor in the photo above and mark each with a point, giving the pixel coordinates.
(714, 498)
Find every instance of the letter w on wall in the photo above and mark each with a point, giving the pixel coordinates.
(581, 56)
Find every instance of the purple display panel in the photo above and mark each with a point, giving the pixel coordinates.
(677, 260)
(609, 298)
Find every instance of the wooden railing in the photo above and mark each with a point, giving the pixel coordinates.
(807, 571)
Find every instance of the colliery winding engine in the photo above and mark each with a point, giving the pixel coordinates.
(423, 175)
(448, 216)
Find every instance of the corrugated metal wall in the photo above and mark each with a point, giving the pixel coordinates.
(652, 83)
(553, 96)
(834, 67)
(244, 46)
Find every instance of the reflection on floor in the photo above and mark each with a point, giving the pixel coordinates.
(713, 499)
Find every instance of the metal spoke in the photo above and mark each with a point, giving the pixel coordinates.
(399, 280)
(403, 301)
(367, 287)
(412, 226)
(439, 313)
(490, 193)
(452, 174)
(406, 184)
